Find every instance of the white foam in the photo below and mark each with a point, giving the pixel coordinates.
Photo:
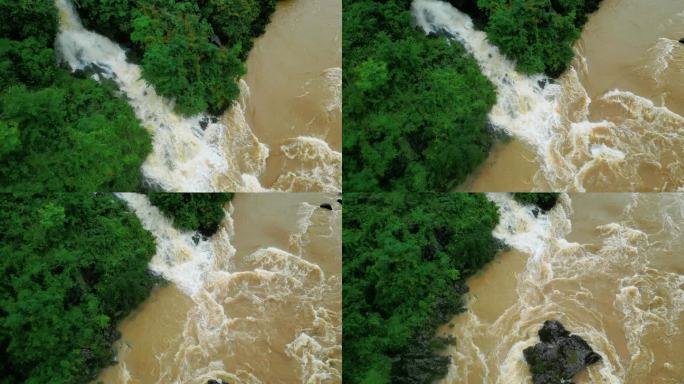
(553, 118)
(234, 310)
(563, 280)
(320, 167)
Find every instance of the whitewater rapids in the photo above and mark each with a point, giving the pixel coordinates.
(199, 153)
(635, 146)
(267, 315)
(608, 266)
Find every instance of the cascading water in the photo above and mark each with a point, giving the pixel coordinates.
(194, 154)
(270, 315)
(634, 147)
(608, 266)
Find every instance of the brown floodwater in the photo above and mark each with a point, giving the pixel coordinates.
(259, 302)
(610, 267)
(294, 77)
(617, 113)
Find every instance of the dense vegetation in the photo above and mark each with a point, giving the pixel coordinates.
(190, 51)
(73, 265)
(538, 34)
(545, 201)
(57, 132)
(405, 258)
(415, 107)
(193, 211)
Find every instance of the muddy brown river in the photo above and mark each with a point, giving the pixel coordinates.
(295, 78)
(260, 302)
(610, 267)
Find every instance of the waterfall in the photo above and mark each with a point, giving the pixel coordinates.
(194, 154)
(244, 310)
(636, 150)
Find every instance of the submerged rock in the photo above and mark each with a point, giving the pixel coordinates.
(559, 356)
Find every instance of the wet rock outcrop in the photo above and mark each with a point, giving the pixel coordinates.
(559, 356)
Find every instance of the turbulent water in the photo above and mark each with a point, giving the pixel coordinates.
(258, 302)
(608, 266)
(295, 70)
(612, 122)
(226, 154)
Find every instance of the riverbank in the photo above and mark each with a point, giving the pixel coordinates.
(606, 265)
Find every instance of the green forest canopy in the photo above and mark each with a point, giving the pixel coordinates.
(193, 211)
(537, 34)
(73, 265)
(190, 51)
(405, 258)
(57, 132)
(415, 107)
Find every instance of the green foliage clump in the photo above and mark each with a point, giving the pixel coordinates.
(538, 34)
(23, 19)
(73, 265)
(238, 22)
(415, 107)
(59, 133)
(193, 211)
(190, 51)
(545, 201)
(405, 257)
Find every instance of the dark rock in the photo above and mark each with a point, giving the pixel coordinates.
(681, 40)
(542, 83)
(535, 212)
(339, 201)
(214, 119)
(219, 381)
(196, 238)
(559, 356)
(326, 206)
(203, 123)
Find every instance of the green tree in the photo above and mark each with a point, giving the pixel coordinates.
(74, 136)
(190, 51)
(57, 132)
(415, 107)
(9, 137)
(193, 211)
(405, 258)
(538, 34)
(74, 265)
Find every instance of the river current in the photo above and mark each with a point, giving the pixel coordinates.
(612, 122)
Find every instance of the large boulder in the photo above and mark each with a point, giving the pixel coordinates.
(559, 356)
